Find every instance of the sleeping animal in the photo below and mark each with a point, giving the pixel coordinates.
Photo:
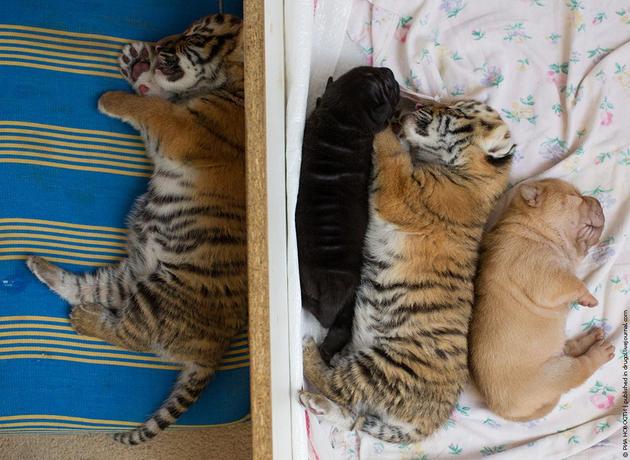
(400, 377)
(182, 291)
(332, 207)
(525, 284)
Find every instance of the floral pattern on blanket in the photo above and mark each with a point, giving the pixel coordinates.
(558, 71)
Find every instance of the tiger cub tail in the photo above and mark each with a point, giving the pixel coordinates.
(398, 433)
(191, 382)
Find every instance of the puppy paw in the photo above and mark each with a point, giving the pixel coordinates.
(588, 300)
(601, 351)
(580, 345)
(597, 333)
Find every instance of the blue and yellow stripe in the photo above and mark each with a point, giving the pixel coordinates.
(73, 243)
(73, 148)
(60, 50)
(69, 174)
(53, 338)
(58, 423)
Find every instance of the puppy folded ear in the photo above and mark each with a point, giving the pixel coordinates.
(532, 194)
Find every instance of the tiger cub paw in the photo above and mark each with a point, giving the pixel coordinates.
(310, 350)
(324, 408)
(314, 403)
(84, 318)
(112, 103)
(135, 63)
(42, 269)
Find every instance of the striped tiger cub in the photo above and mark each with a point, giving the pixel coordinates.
(182, 291)
(400, 377)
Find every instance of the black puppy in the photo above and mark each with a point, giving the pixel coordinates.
(332, 206)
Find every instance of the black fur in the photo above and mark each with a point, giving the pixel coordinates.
(332, 206)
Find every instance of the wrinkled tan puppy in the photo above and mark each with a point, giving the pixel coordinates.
(519, 358)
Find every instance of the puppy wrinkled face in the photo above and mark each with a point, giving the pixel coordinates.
(364, 96)
(561, 206)
(441, 133)
(194, 58)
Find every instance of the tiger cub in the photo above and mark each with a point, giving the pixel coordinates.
(182, 291)
(401, 375)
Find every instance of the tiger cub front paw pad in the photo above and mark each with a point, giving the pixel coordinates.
(134, 60)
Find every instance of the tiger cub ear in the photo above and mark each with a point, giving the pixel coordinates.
(329, 81)
(532, 194)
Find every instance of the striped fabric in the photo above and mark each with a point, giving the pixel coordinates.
(68, 177)
(72, 148)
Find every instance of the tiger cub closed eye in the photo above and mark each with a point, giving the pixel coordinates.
(206, 56)
(182, 291)
(401, 376)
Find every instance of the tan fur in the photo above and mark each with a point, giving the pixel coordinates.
(526, 281)
(401, 376)
(215, 137)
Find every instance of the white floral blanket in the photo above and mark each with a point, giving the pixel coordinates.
(559, 73)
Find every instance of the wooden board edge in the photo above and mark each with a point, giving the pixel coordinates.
(257, 252)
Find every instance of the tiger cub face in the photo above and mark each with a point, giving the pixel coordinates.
(438, 133)
(204, 57)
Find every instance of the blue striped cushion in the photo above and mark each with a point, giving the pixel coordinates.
(68, 176)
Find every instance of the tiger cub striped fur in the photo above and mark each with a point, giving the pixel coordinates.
(401, 375)
(206, 56)
(182, 291)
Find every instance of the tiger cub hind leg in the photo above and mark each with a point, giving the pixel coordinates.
(97, 301)
(57, 279)
(339, 416)
(316, 370)
(106, 286)
(325, 409)
(95, 320)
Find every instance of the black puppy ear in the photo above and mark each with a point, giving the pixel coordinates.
(318, 101)
(330, 80)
